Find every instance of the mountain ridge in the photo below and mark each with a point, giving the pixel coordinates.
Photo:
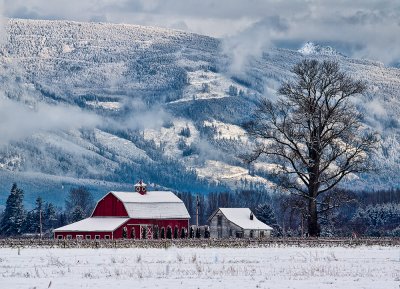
(165, 107)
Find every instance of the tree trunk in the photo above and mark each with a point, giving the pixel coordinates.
(313, 227)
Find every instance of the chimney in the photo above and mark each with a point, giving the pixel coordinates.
(251, 216)
(140, 187)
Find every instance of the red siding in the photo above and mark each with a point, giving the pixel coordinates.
(110, 206)
(134, 224)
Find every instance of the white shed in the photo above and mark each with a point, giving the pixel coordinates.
(237, 223)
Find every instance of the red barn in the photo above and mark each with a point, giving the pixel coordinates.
(139, 215)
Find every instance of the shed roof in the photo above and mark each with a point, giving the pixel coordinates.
(153, 205)
(241, 218)
(94, 224)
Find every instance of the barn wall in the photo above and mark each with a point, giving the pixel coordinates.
(228, 229)
(110, 206)
(222, 231)
(132, 224)
(84, 234)
(136, 224)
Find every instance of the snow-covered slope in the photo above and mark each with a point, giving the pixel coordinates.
(167, 109)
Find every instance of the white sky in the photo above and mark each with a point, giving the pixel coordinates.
(358, 28)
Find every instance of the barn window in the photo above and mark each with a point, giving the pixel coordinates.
(69, 237)
(59, 237)
(97, 237)
(155, 232)
(88, 237)
(144, 232)
(219, 220)
(169, 232)
(107, 237)
(162, 233)
(239, 234)
(176, 232)
(183, 233)
(79, 237)
(133, 233)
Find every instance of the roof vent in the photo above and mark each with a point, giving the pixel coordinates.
(251, 216)
(140, 187)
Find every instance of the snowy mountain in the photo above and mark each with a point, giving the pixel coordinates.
(310, 48)
(152, 103)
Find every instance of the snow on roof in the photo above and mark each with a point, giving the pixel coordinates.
(241, 218)
(94, 224)
(153, 205)
(149, 197)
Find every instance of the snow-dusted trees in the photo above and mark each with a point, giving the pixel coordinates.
(378, 220)
(314, 135)
(265, 214)
(14, 214)
(79, 204)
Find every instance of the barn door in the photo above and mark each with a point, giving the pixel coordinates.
(146, 232)
(149, 232)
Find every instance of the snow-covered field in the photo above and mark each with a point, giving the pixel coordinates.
(280, 267)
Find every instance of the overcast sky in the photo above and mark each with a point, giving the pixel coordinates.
(358, 28)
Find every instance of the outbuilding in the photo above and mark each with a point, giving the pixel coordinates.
(133, 215)
(237, 223)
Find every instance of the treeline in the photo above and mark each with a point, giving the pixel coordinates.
(375, 213)
(16, 220)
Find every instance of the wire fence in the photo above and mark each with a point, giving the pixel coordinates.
(200, 243)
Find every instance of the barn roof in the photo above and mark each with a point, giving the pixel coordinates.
(241, 218)
(153, 205)
(94, 224)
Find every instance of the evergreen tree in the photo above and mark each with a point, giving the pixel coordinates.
(265, 214)
(77, 214)
(14, 214)
(50, 217)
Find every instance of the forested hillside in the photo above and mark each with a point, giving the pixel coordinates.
(102, 105)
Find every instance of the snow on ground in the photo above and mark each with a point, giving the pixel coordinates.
(125, 149)
(168, 137)
(281, 267)
(111, 105)
(229, 174)
(227, 131)
(207, 85)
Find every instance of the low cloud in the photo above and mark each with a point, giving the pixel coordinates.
(145, 117)
(19, 121)
(251, 42)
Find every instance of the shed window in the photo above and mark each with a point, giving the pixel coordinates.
(251, 234)
(219, 220)
(262, 234)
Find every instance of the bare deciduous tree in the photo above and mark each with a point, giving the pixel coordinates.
(313, 133)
